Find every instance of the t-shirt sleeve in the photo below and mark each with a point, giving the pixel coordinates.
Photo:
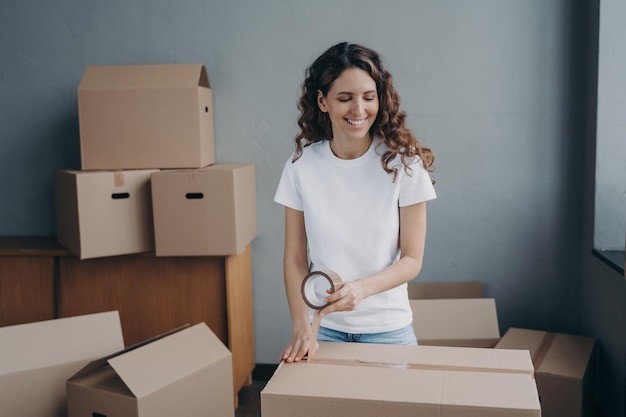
(416, 185)
(288, 191)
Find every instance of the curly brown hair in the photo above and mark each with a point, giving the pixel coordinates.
(390, 123)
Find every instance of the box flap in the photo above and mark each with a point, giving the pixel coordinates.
(143, 76)
(567, 356)
(53, 342)
(516, 338)
(462, 319)
(424, 357)
(434, 290)
(155, 365)
(552, 353)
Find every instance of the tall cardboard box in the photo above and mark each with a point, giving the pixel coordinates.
(146, 116)
(186, 373)
(369, 380)
(37, 358)
(204, 212)
(104, 213)
(564, 369)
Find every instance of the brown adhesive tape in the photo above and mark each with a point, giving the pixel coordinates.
(317, 285)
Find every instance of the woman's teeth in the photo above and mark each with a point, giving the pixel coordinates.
(354, 122)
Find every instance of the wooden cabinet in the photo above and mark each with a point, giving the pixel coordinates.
(27, 279)
(152, 294)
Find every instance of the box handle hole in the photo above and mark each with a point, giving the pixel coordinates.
(206, 109)
(119, 196)
(98, 415)
(194, 196)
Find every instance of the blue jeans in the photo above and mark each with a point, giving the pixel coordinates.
(404, 336)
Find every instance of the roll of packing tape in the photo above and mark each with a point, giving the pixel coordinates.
(317, 285)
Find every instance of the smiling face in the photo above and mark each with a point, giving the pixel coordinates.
(352, 105)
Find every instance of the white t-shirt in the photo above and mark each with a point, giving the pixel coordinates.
(351, 216)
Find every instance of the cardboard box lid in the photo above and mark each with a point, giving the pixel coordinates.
(482, 391)
(439, 320)
(158, 362)
(143, 76)
(54, 342)
(552, 353)
(425, 357)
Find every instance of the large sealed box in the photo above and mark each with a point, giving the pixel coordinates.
(468, 322)
(37, 358)
(369, 380)
(186, 372)
(146, 116)
(204, 212)
(564, 369)
(104, 213)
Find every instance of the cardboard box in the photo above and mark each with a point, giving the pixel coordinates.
(564, 369)
(37, 358)
(146, 116)
(368, 380)
(204, 212)
(435, 290)
(186, 373)
(104, 213)
(469, 322)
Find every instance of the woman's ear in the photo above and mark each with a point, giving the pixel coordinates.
(321, 101)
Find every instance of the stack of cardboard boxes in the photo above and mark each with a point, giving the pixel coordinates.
(149, 181)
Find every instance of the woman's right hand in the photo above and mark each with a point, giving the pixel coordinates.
(299, 346)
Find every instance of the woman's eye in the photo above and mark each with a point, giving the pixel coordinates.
(344, 100)
(368, 98)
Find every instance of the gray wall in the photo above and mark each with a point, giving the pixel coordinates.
(492, 86)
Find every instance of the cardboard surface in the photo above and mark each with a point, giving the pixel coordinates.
(146, 116)
(104, 213)
(468, 322)
(204, 212)
(37, 358)
(187, 373)
(564, 369)
(435, 290)
(374, 380)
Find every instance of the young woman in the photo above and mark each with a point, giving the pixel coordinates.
(355, 193)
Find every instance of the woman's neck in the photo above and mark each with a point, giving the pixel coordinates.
(350, 149)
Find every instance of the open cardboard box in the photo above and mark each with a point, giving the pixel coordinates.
(453, 314)
(37, 358)
(564, 369)
(146, 116)
(186, 372)
(104, 213)
(204, 212)
(369, 380)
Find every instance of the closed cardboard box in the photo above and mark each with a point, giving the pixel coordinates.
(37, 358)
(368, 380)
(145, 116)
(204, 212)
(564, 369)
(469, 322)
(104, 213)
(186, 373)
